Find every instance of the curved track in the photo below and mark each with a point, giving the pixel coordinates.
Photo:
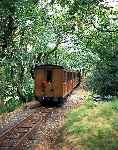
(15, 137)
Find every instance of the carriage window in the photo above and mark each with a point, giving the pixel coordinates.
(78, 74)
(65, 76)
(70, 75)
(74, 76)
(49, 75)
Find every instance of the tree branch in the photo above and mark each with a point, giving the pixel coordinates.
(56, 46)
(102, 30)
(46, 55)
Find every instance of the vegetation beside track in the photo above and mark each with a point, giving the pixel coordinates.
(10, 106)
(93, 126)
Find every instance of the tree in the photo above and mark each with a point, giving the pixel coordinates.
(69, 33)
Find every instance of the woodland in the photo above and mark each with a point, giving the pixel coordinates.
(76, 34)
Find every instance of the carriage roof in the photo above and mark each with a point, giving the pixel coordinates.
(50, 66)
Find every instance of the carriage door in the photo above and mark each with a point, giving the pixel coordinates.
(49, 76)
(50, 88)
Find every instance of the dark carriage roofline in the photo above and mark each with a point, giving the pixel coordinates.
(37, 66)
(50, 66)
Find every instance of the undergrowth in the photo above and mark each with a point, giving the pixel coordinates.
(93, 126)
(10, 106)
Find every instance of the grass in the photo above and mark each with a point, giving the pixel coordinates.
(93, 126)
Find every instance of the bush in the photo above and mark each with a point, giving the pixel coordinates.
(104, 80)
(29, 89)
(10, 105)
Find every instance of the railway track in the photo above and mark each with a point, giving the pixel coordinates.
(22, 135)
(15, 137)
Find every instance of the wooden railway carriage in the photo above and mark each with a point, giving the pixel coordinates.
(53, 83)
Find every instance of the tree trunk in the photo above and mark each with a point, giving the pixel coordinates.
(20, 84)
(20, 94)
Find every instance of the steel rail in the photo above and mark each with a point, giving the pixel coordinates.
(15, 137)
(2, 136)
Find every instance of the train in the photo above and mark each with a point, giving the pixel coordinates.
(53, 83)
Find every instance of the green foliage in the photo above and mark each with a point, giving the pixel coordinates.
(104, 81)
(29, 89)
(103, 77)
(10, 105)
